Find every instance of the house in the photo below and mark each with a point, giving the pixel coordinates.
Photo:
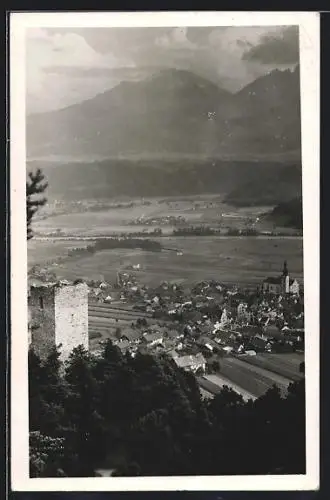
(232, 346)
(191, 363)
(123, 345)
(272, 331)
(132, 336)
(294, 287)
(172, 353)
(174, 334)
(223, 337)
(210, 344)
(249, 330)
(153, 339)
(258, 343)
(242, 312)
(250, 352)
(273, 285)
(224, 318)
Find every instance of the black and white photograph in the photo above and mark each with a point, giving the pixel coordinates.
(164, 250)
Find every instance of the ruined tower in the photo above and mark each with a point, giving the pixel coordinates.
(58, 316)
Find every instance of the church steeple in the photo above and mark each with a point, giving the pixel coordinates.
(285, 269)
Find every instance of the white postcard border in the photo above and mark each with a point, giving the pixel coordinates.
(309, 71)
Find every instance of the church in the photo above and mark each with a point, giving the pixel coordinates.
(282, 284)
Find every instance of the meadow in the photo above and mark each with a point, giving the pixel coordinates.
(286, 365)
(245, 260)
(251, 378)
(115, 220)
(47, 252)
(206, 210)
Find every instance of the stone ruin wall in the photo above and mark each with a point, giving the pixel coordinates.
(71, 317)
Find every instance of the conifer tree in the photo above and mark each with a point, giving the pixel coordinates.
(83, 422)
(36, 185)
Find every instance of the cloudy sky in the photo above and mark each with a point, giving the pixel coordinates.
(65, 66)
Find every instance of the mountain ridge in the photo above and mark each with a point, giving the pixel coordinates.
(174, 112)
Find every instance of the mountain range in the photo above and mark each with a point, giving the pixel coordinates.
(175, 133)
(174, 114)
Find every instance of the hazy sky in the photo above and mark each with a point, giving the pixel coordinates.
(65, 66)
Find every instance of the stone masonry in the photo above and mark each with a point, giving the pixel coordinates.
(58, 316)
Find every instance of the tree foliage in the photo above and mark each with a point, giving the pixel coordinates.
(145, 416)
(36, 185)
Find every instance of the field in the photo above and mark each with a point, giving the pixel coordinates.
(252, 379)
(243, 260)
(43, 252)
(117, 220)
(104, 319)
(252, 376)
(214, 384)
(229, 259)
(206, 210)
(286, 365)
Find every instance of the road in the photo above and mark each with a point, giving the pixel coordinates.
(220, 381)
(108, 237)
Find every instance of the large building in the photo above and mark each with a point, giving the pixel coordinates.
(58, 317)
(282, 284)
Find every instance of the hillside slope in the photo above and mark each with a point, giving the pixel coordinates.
(288, 214)
(109, 178)
(175, 113)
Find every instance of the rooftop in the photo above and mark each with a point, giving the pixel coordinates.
(274, 280)
(190, 360)
(151, 337)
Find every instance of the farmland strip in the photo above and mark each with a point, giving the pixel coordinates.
(255, 383)
(274, 367)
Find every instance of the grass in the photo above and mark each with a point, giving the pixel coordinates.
(115, 220)
(241, 260)
(217, 382)
(196, 210)
(286, 365)
(43, 252)
(253, 380)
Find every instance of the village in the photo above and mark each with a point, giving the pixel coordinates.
(245, 338)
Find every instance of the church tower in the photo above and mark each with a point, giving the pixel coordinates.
(285, 278)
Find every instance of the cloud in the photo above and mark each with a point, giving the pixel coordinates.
(67, 49)
(77, 63)
(176, 39)
(53, 61)
(130, 73)
(276, 48)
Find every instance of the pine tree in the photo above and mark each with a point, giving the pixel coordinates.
(46, 397)
(35, 186)
(83, 423)
(46, 394)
